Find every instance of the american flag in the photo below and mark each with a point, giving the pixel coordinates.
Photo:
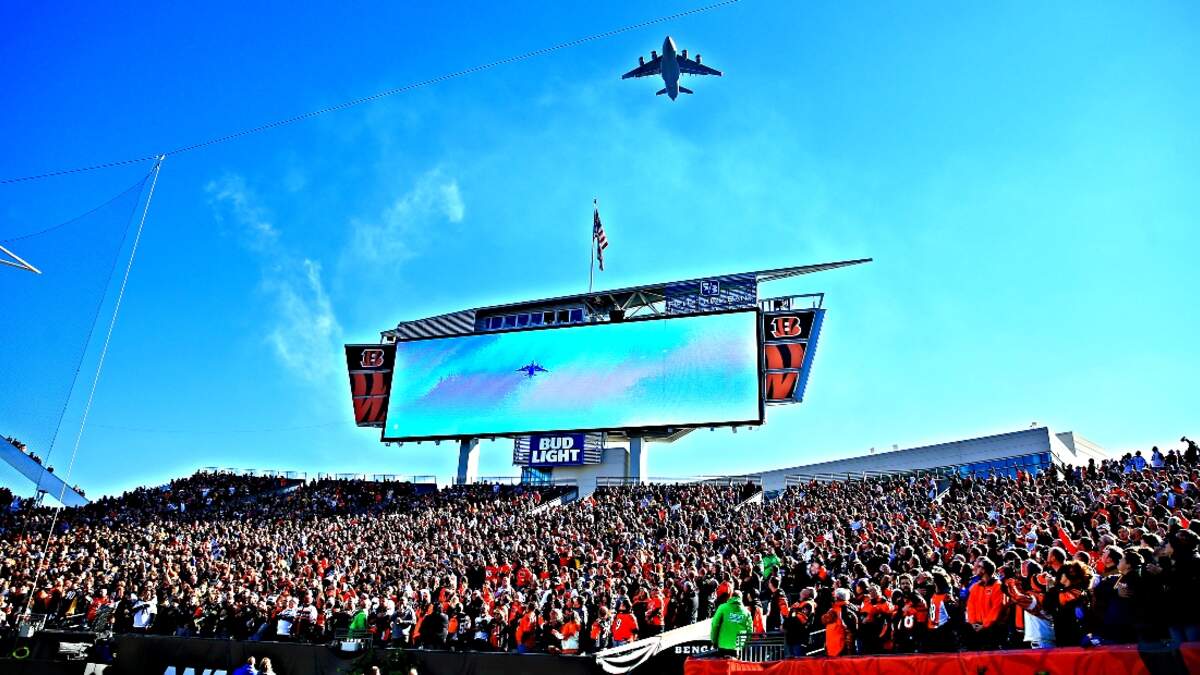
(599, 236)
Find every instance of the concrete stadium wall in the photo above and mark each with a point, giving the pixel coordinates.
(967, 451)
(614, 464)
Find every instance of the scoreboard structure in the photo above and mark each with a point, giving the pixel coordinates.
(565, 377)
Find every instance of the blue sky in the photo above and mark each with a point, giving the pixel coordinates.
(1025, 177)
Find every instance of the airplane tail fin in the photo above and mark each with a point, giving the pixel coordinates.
(685, 90)
(660, 92)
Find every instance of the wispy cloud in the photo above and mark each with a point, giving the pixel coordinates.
(230, 197)
(405, 225)
(304, 332)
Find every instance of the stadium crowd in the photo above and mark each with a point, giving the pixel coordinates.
(1104, 553)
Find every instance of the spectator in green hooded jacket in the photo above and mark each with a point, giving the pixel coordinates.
(358, 624)
(730, 624)
(770, 563)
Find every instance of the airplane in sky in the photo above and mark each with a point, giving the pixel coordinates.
(532, 369)
(670, 65)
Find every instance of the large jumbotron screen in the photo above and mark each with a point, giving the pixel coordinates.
(640, 374)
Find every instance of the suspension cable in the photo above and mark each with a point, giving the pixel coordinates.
(383, 94)
(87, 408)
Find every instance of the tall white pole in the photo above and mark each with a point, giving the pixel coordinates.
(87, 407)
(23, 264)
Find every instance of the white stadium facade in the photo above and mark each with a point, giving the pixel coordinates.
(1029, 449)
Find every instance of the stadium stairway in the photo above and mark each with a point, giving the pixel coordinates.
(565, 498)
(756, 498)
(46, 481)
(943, 487)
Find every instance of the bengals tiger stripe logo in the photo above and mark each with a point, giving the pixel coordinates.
(781, 386)
(785, 355)
(787, 326)
(368, 384)
(369, 410)
(371, 358)
(370, 394)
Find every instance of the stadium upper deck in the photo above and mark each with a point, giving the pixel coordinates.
(691, 296)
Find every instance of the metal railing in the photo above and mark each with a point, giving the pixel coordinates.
(30, 623)
(730, 481)
(378, 477)
(267, 473)
(516, 480)
(324, 475)
(816, 643)
(790, 302)
(488, 480)
(1027, 463)
(764, 647)
(604, 481)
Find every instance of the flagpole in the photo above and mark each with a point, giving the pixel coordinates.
(592, 245)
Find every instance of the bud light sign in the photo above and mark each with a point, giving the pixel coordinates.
(565, 450)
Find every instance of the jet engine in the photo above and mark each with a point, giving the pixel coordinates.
(685, 55)
(697, 58)
(641, 60)
(653, 54)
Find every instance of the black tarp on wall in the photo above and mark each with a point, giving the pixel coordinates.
(154, 655)
(31, 666)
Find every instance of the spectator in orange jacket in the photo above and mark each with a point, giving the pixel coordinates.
(101, 600)
(876, 612)
(841, 624)
(624, 627)
(656, 610)
(527, 629)
(985, 608)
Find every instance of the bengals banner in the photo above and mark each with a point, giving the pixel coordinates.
(789, 339)
(1121, 660)
(370, 368)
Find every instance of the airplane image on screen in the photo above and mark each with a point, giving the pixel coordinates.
(532, 369)
(670, 65)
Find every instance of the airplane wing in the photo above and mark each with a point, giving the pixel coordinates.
(694, 67)
(652, 67)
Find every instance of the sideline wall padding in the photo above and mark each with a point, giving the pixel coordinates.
(1119, 660)
(154, 655)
